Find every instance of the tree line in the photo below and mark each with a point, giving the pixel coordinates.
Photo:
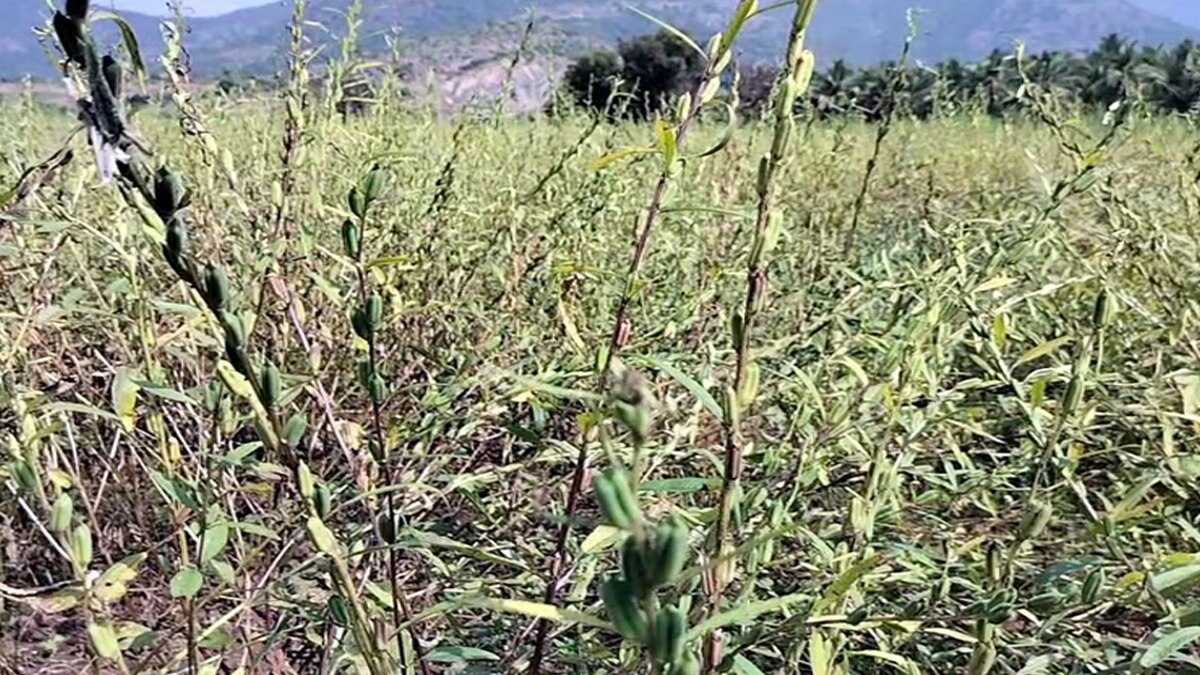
(643, 74)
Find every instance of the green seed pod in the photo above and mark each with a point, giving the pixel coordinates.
(271, 385)
(609, 486)
(983, 659)
(323, 500)
(376, 450)
(387, 527)
(60, 515)
(737, 329)
(670, 626)
(374, 312)
(1074, 395)
(77, 9)
(363, 369)
(236, 357)
(763, 183)
(858, 615)
(361, 324)
(304, 479)
(635, 566)
(216, 287)
(81, 547)
(293, 431)
(1034, 522)
(339, 610)
(373, 184)
(177, 239)
(351, 239)
(69, 38)
(636, 419)
(235, 329)
(621, 605)
(913, 608)
(670, 552)
(1102, 312)
(25, 476)
(1046, 602)
(377, 388)
(993, 562)
(112, 74)
(688, 664)
(999, 613)
(1092, 585)
(358, 205)
(169, 192)
(976, 608)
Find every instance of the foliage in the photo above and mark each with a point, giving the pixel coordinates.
(650, 70)
(328, 415)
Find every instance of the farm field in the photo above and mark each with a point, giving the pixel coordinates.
(966, 403)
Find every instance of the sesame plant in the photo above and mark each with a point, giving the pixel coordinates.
(419, 391)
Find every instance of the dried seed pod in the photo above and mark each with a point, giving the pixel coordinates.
(621, 604)
(670, 626)
(77, 9)
(69, 38)
(351, 239)
(216, 287)
(271, 385)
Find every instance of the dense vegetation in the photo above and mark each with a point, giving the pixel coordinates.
(283, 389)
(1165, 79)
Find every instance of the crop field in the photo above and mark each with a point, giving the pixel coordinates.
(408, 392)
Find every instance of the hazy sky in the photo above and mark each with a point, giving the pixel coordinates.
(197, 7)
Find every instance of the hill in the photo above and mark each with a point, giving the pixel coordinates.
(466, 33)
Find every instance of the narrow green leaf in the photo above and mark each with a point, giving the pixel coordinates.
(1167, 645)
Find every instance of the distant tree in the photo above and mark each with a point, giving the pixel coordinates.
(650, 70)
(593, 78)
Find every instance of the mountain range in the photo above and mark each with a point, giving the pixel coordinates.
(458, 35)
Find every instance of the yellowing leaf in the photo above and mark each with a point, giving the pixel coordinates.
(104, 640)
(321, 537)
(1043, 349)
(995, 284)
(618, 155)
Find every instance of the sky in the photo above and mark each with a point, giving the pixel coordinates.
(197, 7)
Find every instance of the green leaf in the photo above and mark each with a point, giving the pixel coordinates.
(215, 538)
(673, 31)
(1043, 349)
(818, 654)
(104, 640)
(223, 570)
(174, 490)
(838, 589)
(1176, 579)
(539, 611)
(744, 614)
(618, 155)
(129, 38)
(743, 666)
(452, 654)
(164, 392)
(688, 382)
(679, 485)
(186, 583)
(1167, 645)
